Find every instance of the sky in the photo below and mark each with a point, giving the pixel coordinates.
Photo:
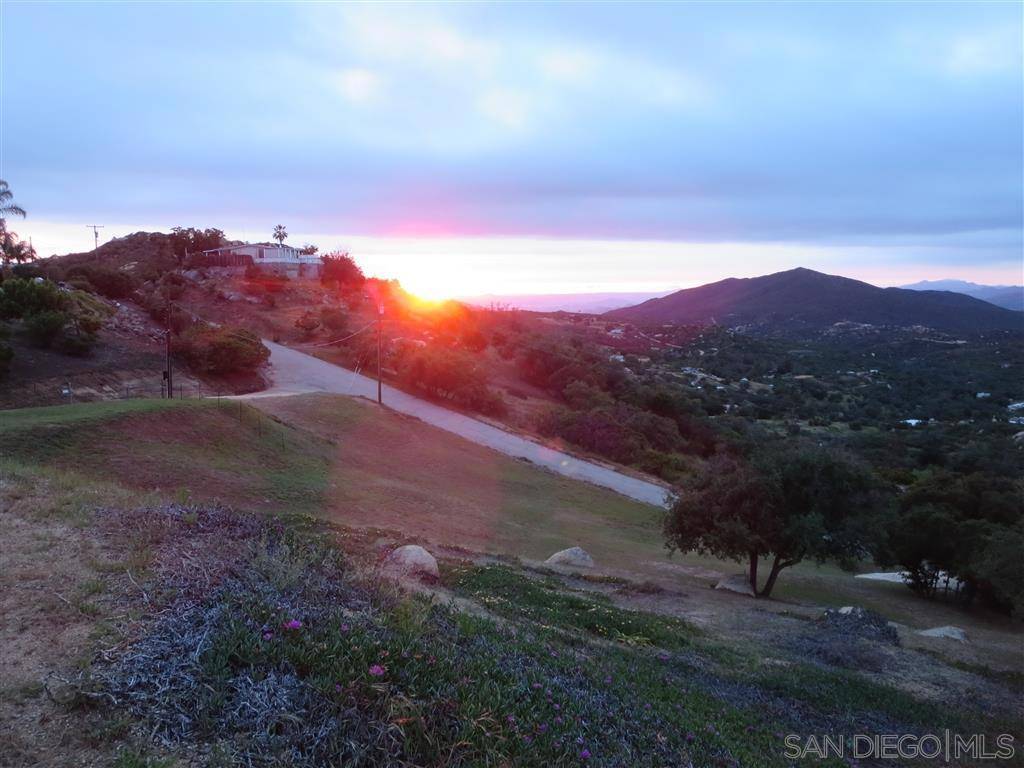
(515, 148)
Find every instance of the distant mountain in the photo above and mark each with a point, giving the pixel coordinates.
(805, 300)
(1008, 296)
(593, 303)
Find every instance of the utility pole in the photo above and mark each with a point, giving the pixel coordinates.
(168, 374)
(95, 234)
(380, 320)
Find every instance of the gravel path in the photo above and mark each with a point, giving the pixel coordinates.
(294, 372)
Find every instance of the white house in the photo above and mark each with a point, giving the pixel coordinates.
(272, 257)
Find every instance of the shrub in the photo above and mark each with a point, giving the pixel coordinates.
(81, 284)
(335, 320)
(20, 297)
(43, 327)
(307, 323)
(223, 350)
(450, 375)
(112, 283)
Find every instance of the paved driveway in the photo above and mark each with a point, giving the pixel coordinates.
(294, 372)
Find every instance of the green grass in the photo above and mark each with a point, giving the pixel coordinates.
(180, 449)
(544, 601)
(81, 414)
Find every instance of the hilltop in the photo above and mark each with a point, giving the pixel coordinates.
(802, 300)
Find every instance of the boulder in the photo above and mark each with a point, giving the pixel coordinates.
(410, 561)
(852, 621)
(952, 633)
(738, 583)
(574, 557)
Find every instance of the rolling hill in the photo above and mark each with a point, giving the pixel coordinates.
(593, 303)
(805, 300)
(1007, 296)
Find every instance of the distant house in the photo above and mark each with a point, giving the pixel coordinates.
(282, 259)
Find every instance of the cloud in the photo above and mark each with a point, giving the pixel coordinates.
(508, 107)
(985, 52)
(358, 85)
(568, 65)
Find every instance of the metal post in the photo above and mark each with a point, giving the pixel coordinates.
(380, 321)
(170, 374)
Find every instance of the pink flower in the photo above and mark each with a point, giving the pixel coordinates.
(377, 670)
(293, 624)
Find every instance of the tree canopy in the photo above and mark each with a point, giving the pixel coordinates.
(788, 504)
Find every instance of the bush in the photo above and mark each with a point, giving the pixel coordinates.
(6, 353)
(81, 284)
(20, 297)
(43, 327)
(112, 283)
(450, 375)
(223, 350)
(307, 323)
(334, 320)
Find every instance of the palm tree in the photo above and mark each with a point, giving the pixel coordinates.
(12, 248)
(8, 208)
(280, 233)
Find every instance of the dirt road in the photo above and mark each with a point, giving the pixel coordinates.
(293, 372)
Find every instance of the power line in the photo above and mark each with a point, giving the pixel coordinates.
(343, 338)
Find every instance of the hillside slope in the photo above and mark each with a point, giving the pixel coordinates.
(805, 300)
(147, 628)
(1006, 296)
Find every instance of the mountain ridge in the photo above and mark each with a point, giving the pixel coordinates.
(802, 299)
(1006, 296)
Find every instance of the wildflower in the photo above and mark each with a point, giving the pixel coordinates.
(543, 727)
(293, 624)
(268, 635)
(607, 679)
(585, 754)
(377, 670)
(536, 686)
(556, 706)
(344, 627)
(690, 738)
(337, 687)
(511, 718)
(579, 740)
(527, 739)
(558, 720)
